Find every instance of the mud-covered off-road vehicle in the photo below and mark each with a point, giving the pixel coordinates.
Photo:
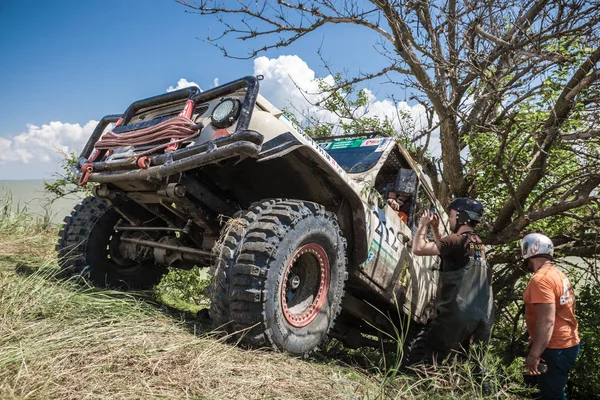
(296, 233)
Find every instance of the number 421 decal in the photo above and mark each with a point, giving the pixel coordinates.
(392, 237)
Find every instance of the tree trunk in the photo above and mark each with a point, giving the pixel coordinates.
(452, 166)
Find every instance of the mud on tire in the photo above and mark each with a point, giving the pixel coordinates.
(86, 248)
(279, 278)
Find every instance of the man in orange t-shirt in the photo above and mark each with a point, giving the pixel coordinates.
(550, 317)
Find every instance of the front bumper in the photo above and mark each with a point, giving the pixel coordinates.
(244, 143)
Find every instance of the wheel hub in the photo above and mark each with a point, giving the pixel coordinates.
(294, 282)
(305, 285)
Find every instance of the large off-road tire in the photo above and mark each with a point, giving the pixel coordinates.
(278, 280)
(88, 247)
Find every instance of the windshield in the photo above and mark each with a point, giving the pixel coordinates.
(358, 155)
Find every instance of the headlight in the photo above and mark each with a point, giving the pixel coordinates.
(225, 113)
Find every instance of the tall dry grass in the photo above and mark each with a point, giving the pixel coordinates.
(62, 340)
(22, 233)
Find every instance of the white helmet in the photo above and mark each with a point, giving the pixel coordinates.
(536, 244)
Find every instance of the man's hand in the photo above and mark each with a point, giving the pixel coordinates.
(393, 204)
(426, 218)
(435, 222)
(531, 365)
(435, 227)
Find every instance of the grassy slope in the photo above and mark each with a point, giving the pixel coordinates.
(61, 341)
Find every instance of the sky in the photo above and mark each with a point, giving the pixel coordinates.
(64, 64)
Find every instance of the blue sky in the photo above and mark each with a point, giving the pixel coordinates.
(73, 61)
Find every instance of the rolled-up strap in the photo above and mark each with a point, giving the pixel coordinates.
(178, 128)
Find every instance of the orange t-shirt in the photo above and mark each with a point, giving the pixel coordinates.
(550, 285)
(403, 216)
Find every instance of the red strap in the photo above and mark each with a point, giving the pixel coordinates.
(86, 170)
(187, 113)
(143, 162)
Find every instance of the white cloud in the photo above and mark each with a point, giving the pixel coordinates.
(182, 83)
(216, 82)
(40, 148)
(38, 151)
(290, 83)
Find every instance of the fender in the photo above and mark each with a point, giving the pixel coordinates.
(347, 189)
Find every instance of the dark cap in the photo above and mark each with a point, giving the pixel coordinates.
(472, 207)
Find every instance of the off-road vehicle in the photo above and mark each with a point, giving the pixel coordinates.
(297, 233)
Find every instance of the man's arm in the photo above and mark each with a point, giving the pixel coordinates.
(421, 247)
(544, 327)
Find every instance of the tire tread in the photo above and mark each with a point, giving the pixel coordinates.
(237, 292)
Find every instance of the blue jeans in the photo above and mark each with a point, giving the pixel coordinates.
(560, 362)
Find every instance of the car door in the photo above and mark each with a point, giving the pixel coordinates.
(416, 285)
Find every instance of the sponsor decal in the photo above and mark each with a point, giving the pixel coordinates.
(345, 144)
(567, 291)
(381, 147)
(386, 242)
(371, 142)
(536, 247)
(382, 256)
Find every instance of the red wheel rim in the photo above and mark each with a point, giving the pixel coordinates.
(305, 285)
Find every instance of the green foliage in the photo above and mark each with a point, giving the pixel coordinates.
(502, 153)
(510, 336)
(350, 107)
(184, 290)
(585, 378)
(66, 182)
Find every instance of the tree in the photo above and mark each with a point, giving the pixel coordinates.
(520, 80)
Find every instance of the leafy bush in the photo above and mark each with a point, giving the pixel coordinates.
(585, 378)
(183, 290)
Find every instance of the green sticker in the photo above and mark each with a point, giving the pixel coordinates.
(345, 144)
(382, 256)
